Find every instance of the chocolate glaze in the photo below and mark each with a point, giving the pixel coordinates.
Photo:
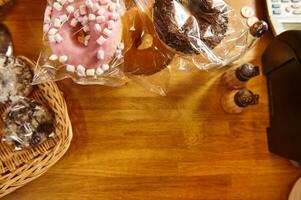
(208, 22)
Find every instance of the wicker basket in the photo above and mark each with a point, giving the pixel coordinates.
(20, 168)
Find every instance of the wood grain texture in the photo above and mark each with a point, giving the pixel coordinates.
(132, 144)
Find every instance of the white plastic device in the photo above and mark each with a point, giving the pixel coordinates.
(284, 15)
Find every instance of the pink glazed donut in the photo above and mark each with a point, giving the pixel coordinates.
(84, 35)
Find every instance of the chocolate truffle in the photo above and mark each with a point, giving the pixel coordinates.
(27, 123)
(15, 78)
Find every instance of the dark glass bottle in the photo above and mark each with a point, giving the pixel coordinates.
(256, 32)
(235, 101)
(6, 46)
(238, 77)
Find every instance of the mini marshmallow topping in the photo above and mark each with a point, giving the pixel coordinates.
(70, 68)
(92, 17)
(70, 9)
(101, 40)
(97, 27)
(63, 59)
(58, 38)
(107, 32)
(57, 23)
(105, 67)
(57, 6)
(73, 22)
(52, 31)
(100, 54)
(81, 70)
(99, 71)
(90, 72)
(85, 20)
(53, 57)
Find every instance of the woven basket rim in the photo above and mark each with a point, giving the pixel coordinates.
(19, 168)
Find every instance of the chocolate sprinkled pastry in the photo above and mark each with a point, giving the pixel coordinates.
(188, 26)
(27, 123)
(15, 78)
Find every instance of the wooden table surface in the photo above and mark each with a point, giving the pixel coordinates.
(132, 144)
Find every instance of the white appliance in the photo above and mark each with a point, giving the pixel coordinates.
(284, 15)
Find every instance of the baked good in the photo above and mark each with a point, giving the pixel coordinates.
(15, 78)
(140, 59)
(84, 35)
(190, 26)
(6, 46)
(27, 123)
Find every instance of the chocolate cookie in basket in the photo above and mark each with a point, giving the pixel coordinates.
(27, 123)
(38, 126)
(15, 78)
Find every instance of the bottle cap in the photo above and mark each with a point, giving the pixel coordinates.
(259, 29)
(244, 98)
(246, 72)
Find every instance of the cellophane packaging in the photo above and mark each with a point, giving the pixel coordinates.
(147, 60)
(27, 123)
(201, 33)
(83, 40)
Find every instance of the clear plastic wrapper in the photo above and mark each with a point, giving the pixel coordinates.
(15, 78)
(202, 33)
(83, 40)
(147, 60)
(27, 123)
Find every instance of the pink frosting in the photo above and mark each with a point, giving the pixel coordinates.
(76, 52)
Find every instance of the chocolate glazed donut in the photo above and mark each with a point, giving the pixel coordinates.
(183, 24)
